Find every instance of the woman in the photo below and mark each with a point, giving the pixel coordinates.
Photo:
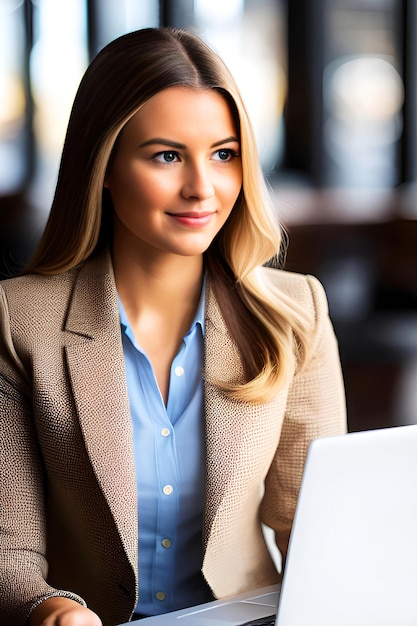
(159, 386)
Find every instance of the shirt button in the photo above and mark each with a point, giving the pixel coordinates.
(168, 489)
(166, 543)
(179, 371)
(165, 432)
(160, 595)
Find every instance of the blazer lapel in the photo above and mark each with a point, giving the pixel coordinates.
(97, 374)
(220, 355)
(240, 437)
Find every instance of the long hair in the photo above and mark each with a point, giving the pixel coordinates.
(121, 78)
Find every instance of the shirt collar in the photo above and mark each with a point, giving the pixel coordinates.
(200, 313)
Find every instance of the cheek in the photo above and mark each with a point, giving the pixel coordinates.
(132, 185)
(235, 186)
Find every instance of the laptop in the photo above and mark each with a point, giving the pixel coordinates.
(352, 558)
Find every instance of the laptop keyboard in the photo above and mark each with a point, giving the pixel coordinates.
(262, 621)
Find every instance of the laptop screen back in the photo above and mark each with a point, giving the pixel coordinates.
(353, 550)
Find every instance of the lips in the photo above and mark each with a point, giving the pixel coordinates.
(192, 219)
(192, 214)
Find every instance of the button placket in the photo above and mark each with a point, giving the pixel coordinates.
(167, 511)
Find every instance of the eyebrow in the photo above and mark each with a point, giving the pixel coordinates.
(181, 146)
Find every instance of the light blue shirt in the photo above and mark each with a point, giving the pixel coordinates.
(170, 471)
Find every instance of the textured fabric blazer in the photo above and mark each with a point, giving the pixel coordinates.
(68, 510)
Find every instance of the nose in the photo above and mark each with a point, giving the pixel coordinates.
(198, 183)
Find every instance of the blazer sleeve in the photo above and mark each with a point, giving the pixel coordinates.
(315, 408)
(23, 568)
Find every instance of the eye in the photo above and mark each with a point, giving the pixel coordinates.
(168, 156)
(225, 154)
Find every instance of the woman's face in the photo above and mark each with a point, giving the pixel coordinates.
(176, 173)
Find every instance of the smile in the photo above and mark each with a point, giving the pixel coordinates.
(192, 220)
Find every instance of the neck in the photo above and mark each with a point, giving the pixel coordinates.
(164, 283)
(160, 294)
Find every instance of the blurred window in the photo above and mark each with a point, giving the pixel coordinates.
(58, 59)
(15, 105)
(363, 93)
(409, 148)
(112, 18)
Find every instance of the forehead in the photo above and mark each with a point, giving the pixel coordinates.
(184, 109)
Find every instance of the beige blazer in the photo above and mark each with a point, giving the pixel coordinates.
(68, 510)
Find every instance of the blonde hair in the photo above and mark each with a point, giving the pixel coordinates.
(123, 76)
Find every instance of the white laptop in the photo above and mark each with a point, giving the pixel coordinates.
(352, 557)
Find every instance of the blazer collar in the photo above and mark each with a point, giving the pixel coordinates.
(92, 308)
(97, 374)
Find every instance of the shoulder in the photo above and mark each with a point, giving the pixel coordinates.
(34, 295)
(33, 311)
(303, 289)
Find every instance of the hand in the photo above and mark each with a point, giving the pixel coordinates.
(63, 612)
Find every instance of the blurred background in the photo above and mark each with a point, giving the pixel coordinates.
(331, 86)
